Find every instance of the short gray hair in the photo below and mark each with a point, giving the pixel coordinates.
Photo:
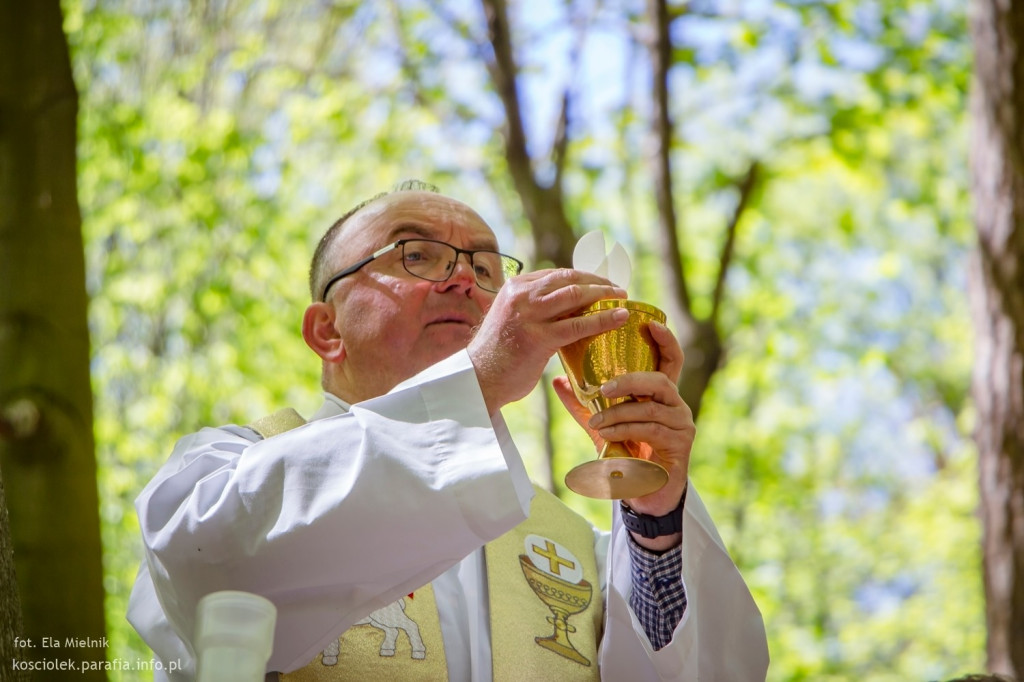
(318, 272)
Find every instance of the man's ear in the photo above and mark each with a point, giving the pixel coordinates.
(320, 333)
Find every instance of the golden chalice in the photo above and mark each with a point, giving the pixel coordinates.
(589, 363)
(564, 599)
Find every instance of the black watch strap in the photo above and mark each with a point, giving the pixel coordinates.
(653, 526)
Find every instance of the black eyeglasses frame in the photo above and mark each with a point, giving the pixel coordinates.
(355, 267)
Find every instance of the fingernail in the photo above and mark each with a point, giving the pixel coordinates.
(620, 315)
(596, 420)
(609, 387)
(659, 325)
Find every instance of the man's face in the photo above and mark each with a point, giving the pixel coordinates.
(392, 324)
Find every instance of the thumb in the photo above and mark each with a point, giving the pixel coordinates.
(579, 411)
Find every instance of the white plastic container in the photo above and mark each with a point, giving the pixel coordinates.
(234, 637)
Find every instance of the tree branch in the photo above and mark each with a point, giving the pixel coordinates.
(560, 147)
(746, 188)
(503, 73)
(552, 235)
(660, 50)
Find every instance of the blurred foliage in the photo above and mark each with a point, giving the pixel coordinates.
(219, 138)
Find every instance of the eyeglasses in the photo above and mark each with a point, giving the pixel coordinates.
(435, 261)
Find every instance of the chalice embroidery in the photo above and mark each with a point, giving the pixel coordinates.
(556, 576)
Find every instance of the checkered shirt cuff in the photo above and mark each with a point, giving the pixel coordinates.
(658, 598)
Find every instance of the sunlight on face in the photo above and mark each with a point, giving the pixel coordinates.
(393, 324)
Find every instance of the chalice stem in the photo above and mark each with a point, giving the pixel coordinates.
(559, 639)
(611, 449)
(561, 623)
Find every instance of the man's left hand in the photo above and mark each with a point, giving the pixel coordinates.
(660, 424)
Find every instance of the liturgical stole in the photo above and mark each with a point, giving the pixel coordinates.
(546, 607)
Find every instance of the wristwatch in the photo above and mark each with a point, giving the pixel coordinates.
(653, 526)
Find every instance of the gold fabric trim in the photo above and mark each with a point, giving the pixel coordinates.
(279, 422)
(401, 641)
(547, 616)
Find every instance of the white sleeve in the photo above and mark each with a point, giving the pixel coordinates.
(331, 520)
(721, 635)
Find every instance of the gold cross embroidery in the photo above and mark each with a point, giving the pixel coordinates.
(555, 562)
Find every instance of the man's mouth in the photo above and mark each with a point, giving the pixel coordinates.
(452, 319)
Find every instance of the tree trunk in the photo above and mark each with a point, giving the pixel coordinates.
(700, 338)
(997, 306)
(46, 441)
(11, 635)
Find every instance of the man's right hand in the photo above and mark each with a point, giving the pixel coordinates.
(531, 318)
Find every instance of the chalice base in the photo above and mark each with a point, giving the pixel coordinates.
(568, 651)
(616, 478)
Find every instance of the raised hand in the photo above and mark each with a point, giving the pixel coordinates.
(659, 423)
(531, 317)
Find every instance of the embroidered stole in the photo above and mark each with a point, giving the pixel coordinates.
(546, 603)
(546, 607)
(401, 641)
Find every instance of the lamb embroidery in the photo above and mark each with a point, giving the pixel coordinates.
(390, 619)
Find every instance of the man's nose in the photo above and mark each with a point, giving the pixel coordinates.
(462, 276)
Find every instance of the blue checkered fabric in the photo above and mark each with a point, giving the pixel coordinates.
(658, 598)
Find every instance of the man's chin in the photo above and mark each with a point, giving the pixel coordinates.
(458, 332)
(446, 340)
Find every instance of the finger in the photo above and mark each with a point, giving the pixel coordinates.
(573, 329)
(662, 439)
(676, 417)
(578, 411)
(559, 277)
(668, 447)
(563, 389)
(555, 280)
(550, 280)
(571, 298)
(672, 356)
(654, 385)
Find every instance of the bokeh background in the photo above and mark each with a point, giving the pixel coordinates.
(820, 199)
